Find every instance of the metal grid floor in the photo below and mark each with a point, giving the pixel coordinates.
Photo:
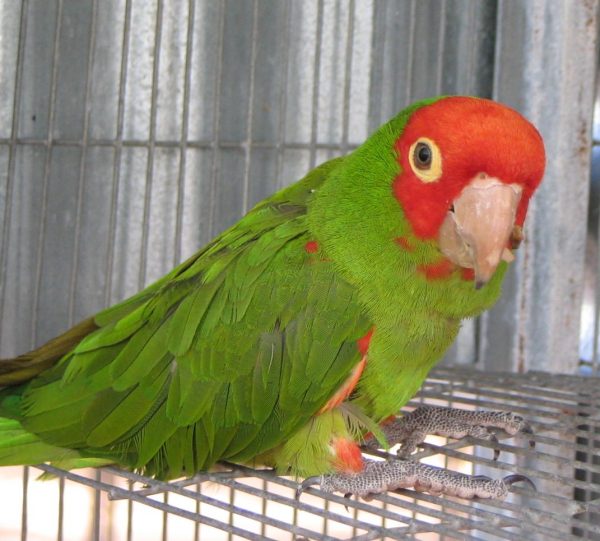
(242, 503)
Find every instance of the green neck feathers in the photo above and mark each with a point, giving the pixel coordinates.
(414, 301)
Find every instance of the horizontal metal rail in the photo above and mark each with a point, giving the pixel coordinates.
(148, 143)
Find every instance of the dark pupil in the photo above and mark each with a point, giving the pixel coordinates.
(423, 155)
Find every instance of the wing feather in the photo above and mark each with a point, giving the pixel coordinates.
(221, 359)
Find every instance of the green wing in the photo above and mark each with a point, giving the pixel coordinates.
(223, 358)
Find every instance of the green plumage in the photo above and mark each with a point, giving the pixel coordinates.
(232, 354)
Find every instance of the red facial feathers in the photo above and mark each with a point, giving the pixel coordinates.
(474, 136)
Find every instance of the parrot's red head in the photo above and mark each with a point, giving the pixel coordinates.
(469, 168)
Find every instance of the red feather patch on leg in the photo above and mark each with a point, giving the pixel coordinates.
(348, 457)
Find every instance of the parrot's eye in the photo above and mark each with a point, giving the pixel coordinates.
(422, 157)
(425, 160)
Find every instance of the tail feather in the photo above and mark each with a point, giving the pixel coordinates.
(24, 367)
(21, 448)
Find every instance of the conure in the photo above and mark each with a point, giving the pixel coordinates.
(297, 331)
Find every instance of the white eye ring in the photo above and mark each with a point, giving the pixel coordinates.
(425, 160)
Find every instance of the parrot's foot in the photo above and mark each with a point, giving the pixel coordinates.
(411, 429)
(378, 477)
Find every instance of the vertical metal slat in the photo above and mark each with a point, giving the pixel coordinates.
(82, 161)
(283, 98)
(184, 131)
(12, 154)
(216, 120)
(47, 162)
(347, 76)
(249, 115)
(315, 92)
(116, 180)
(151, 147)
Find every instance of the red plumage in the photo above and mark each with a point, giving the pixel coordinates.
(505, 131)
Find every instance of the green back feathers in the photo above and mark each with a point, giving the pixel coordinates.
(225, 357)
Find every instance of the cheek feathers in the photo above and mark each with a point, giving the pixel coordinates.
(424, 213)
(424, 204)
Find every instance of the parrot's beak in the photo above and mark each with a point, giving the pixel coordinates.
(477, 228)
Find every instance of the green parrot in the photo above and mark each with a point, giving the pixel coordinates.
(297, 331)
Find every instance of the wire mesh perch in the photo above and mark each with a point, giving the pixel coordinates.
(238, 502)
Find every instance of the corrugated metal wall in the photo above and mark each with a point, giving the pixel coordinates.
(546, 62)
(133, 131)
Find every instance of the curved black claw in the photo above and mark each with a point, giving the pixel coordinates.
(510, 480)
(308, 482)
